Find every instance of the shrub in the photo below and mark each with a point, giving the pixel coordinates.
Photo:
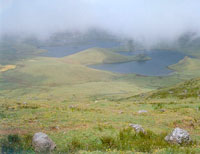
(74, 145)
(2, 114)
(141, 142)
(16, 144)
(157, 106)
(108, 142)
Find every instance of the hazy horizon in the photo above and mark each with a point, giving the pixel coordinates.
(142, 20)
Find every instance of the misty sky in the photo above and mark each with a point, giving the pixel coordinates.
(148, 20)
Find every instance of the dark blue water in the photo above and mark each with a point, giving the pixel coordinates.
(61, 51)
(157, 66)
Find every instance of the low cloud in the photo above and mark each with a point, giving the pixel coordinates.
(143, 20)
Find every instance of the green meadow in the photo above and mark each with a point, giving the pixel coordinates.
(85, 110)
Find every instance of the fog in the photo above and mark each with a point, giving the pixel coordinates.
(148, 21)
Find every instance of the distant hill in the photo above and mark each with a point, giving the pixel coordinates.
(100, 55)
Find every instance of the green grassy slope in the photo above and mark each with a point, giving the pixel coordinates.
(13, 51)
(100, 55)
(94, 126)
(188, 89)
(186, 64)
(35, 77)
(70, 76)
(85, 110)
(187, 68)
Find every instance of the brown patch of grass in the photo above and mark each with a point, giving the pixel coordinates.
(7, 67)
(185, 123)
(12, 131)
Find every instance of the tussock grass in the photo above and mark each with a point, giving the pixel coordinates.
(15, 144)
(127, 140)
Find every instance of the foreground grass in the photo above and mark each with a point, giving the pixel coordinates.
(88, 111)
(123, 141)
(99, 125)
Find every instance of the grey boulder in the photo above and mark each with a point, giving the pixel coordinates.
(142, 111)
(137, 128)
(179, 136)
(42, 143)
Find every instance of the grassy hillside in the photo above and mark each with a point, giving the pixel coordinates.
(186, 64)
(45, 78)
(100, 55)
(188, 89)
(13, 51)
(89, 111)
(70, 77)
(187, 68)
(102, 125)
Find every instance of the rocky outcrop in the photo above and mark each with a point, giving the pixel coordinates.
(179, 136)
(42, 143)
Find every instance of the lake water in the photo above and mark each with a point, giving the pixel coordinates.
(61, 51)
(157, 66)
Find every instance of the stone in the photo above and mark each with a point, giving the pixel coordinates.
(72, 106)
(121, 112)
(42, 143)
(25, 103)
(162, 110)
(137, 128)
(142, 111)
(179, 136)
(142, 95)
(171, 92)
